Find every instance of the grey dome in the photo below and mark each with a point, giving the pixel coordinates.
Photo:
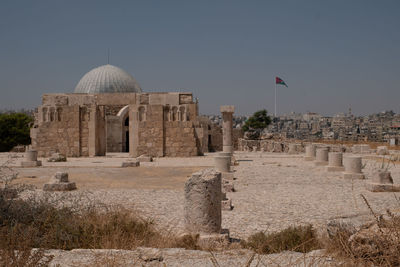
(107, 79)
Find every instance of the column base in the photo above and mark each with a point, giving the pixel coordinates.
(320, 163)
(334, 168)
(36, 163)
(348, 175)
(306, 158)
(228, 149)
(374, 187)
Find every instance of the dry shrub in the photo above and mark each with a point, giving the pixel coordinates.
(39, 224)
(375, 245)
(298, 238)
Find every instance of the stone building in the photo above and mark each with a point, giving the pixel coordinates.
(108, 112)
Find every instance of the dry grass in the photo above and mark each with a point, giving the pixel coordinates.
(376, 245)
(299, 238)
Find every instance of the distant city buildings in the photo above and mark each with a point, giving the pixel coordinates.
(379, 127)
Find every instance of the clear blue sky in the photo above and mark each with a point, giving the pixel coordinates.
(332, 54)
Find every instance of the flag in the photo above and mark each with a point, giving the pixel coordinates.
(280, 81)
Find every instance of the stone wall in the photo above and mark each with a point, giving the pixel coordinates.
(180, 139)
(60, 133)
(160, 124)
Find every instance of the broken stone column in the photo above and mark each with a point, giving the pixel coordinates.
(59, 182)
(335, 162)
(352, 168)
(31, 159)
(202, 206)
(144, 158)
(292, 149)
(382, 150)
(322, 156)
(227, 124)
(130, 163)
(222, 163)
(382, 181)
(310, 153)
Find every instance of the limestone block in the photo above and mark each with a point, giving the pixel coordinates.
(335, 159)
(31, 155)
(292, 149)
(61, 177)
(375, 187)
(352, 168)
(202, 206)
(132, 163)
(382, 177)
(144, 158)
(310, 153)
(222, 163)
(59, 186)
(321, 157)
(57, 157)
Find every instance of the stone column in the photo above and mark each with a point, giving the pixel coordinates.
(335, 162)
(382, 181)
(31, 155)
(31, 159)
(310, 153)
(352, 168)
(227, 115)
(321, 156)
(292, 149)
(202, 206)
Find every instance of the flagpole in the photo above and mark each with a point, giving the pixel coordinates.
(275, 95)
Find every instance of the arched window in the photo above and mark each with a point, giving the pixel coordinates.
(127, 121)
(52, 111)
(182, 113)
(59, 112)
(44, 114)
(174, 113)
(166, 113)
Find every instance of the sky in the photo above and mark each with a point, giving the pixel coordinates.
(333, 54)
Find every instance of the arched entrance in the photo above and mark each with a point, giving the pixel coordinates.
(123, 115)
(126, 129)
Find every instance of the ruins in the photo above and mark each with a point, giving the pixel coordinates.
(109, 112)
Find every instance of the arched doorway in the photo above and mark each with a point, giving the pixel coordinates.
(126, 129)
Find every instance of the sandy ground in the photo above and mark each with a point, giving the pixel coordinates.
(274, 190)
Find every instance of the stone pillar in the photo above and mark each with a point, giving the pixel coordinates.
(322, 156)
(31, 159)
(382, 181)
(31, 155)
(59, 182)
(292, 149)
(310, 153)
(335, 162)
(202, 206)
(227, 115)
(352, 167)
(222, 163)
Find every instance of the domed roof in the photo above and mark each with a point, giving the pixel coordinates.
(107, 79)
